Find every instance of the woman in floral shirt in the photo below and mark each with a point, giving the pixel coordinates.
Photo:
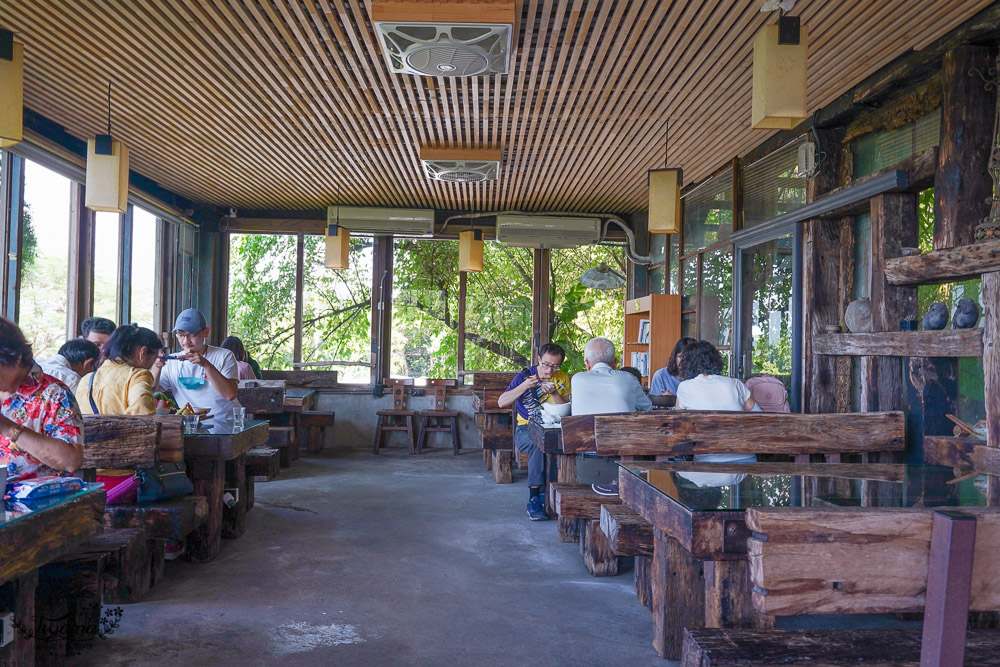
(41, 430)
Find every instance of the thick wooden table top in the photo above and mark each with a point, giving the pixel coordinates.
(33, 533)
(300, 400)
(549, 440)
(710, 521)
(224, 441)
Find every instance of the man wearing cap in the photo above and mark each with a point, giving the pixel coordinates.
(206, 376)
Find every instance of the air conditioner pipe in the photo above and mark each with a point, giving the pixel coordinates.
(644, 260)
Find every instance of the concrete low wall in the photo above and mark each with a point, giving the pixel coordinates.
(355, 419)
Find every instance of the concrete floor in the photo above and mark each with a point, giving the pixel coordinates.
(352, 559)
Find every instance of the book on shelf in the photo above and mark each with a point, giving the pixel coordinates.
(640, 361)
(643, 331)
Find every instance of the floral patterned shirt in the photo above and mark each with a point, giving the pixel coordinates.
(46, 406)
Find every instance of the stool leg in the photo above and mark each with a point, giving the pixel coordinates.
(454, 434)
(410, 435)
(378, 435)
(422, 434)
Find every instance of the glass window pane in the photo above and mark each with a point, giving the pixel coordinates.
(45, 254)
(715, 313)
(107, 234)
(424, 308)
(689, 325)
(771, 186)
(145, 264)
(656, 281)
(498, 310)
(689, 267)
(768, 291)
(675, 268)
(878, 150)
(262, 296)
(708, 213)
(658, 246)
(337, 309)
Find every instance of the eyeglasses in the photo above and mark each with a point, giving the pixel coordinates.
(186, 336)
(549, 366)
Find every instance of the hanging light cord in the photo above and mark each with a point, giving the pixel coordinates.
(666, 143)
(109, 107)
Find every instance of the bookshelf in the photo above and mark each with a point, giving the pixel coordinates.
(658, 316)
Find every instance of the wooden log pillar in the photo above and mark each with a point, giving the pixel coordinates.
(503, 461)
(962, 187)
(568, 530)
(598, 557)
(234, 519)
(18, 596)
(678, 594)
(209, 477)
(991, 371)
(644, 580)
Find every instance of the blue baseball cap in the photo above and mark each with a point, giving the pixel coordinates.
(190, 320)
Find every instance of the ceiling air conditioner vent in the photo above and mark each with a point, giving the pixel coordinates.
(400, 221)
(460, 165)
(543, 231)
(461, 49)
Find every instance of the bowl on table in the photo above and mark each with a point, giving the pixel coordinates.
(552, 413)
(667, 401)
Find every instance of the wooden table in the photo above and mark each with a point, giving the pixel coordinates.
(300, 400)
(33, 534)
(215, 461)
(297, 401)
(700, 557)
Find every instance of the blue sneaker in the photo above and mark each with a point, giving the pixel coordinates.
(536, 509)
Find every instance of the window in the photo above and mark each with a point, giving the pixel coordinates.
(337, 309)
(880, 149)
(715, 311)
(425, 309)
(107, 236)
(708, 213)
(498, 309)
(262, 296)
(771, 186)
(673, 267)
(45, 257)
(145, 264)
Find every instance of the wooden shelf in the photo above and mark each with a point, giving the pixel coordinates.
(965, 452)
(944, 266)
(946, 343)
(663, 312)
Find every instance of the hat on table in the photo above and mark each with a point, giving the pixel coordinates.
(190, 320)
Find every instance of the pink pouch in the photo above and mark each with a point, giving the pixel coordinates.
(124, 492)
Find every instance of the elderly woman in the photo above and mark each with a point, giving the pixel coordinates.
(41, 430)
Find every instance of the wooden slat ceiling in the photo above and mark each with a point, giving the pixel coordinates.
(266, 104)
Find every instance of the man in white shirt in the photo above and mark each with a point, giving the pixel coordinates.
(76, 358)
(205, 376)
(603, 390)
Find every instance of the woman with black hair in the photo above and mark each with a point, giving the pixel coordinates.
(123, 384)
(246, 369)
(666, 379)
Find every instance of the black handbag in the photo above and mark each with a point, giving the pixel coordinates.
(164, 481)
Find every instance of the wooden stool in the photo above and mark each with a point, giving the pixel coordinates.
(387, 418)
(438, 419)
(316, 424)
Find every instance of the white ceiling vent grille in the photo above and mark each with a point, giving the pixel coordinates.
(546, 231)
(430, 49)
(460, 165)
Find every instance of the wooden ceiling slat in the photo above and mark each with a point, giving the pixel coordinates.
(269, 104)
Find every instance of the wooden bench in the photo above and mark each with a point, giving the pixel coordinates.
(316, 424)
(578, 501)
(716, 647)
(263, 463)
(166, 519)
(628, 534)
(283, 438)
(133, 563)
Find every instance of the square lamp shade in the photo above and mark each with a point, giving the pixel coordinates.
(470, 250)
(107, 178)
(338, 247)
(779, 80)
(665, 213)
(11, 93)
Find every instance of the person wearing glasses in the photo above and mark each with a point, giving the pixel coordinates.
(530, 388)
(203, 375)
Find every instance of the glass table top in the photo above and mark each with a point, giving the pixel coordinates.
(18, 509)
(738, 486)
(215, 427)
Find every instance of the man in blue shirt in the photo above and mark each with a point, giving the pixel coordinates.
(527, 391)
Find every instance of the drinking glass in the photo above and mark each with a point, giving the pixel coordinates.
(190, 423)
(239, 415)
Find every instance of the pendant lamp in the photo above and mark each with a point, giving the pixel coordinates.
(470, 250)
(11, 90)
(665, 212)
(107, 171)
(779, 75)
(338, 247)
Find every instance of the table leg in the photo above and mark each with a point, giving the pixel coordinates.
(209, 477)
(234, 519)
(678, 594)
(568, 530)
(949, 578)
(728, 600)
(293, 449)
(18, 596)
(551, 475)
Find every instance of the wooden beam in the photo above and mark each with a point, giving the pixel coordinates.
(579, 501)
(991, 370)
(944, 343)
(944, 266)
(80, 300)
(962, 187)
(299, 277)
(873, 560)
(628, 534)
(943, 450)
(118, 441)
(702, 432)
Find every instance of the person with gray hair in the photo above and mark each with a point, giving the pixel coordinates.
(601, 390)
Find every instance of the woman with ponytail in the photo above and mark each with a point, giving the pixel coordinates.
(123, 384)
